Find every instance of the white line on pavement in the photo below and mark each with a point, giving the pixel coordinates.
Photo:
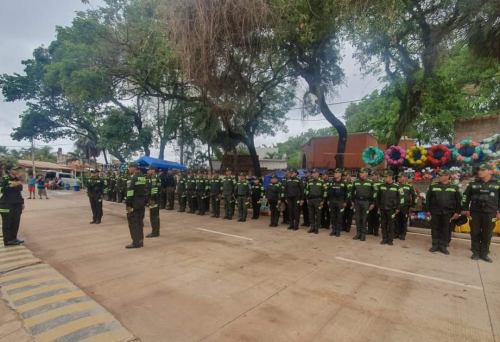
(453, 238)
(412, 274)
(236, 236)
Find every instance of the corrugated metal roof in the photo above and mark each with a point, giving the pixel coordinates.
(44, 165)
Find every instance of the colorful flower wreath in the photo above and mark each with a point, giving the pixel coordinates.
(373, 156)
(496, 167)
(417, 150)
(435, 150)
(395, 155)
(464, 145)
(488, 143)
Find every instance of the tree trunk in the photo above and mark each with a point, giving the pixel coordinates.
(182, 151)
(255, 157)
(163, 143)
(210, 160)
(235, 167)
(105, 155)
(335, 122)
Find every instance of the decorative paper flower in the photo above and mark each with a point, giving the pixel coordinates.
(395, 155)
(373, 156)
(439, 155)
(490, 143)
(421, 152)
(464, 145)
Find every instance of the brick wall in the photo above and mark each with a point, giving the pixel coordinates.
(476, 129)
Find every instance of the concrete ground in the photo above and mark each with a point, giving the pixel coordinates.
(210, 279)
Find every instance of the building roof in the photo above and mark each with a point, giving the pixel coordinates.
(336, 136)
(478, 118)
(44, 165)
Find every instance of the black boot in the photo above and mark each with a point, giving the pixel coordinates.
(357, 237)
(332, 233)
(310, 231)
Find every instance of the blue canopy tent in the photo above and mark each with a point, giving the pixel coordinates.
(160, 164)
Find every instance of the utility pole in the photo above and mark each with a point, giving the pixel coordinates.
(33, 156)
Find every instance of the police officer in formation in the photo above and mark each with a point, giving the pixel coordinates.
(373, 215)
(242, 193)
(112, 187)
(273, 195)
(481, 202)
(136, 198)
(153, 191)
(316, 195)
(228, 188)
(387, 199)
(191, 193)
(325, 211)
(207, 195)
(349, 209)
(443, 204)
(181, 193)
(95, 192)
(338, 197)
(362, 197)
(202, 190)
(293, 192)
(305, 206)
(215, 194)
(258, 194)
(408, 199)
(169, 184)
(11, 205)
(286, 213)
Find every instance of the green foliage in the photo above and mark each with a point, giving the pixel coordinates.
(461, 88)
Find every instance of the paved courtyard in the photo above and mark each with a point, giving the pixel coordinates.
(210, 279)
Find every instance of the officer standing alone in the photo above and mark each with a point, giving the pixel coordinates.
(242, 193)
(362, 197)
(11, 205)
(95, 191)
(481, 202)
(273, 197)
(338, 197)
(153, 190)
(443, 204)
(136, 199)
(316, 197)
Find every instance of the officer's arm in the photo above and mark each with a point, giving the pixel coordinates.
(466, 198)
(130, 191)
(400, 198)
(4, 186)
(301, 188)
(428, 200)
(154, 192)
(413, 194)
(353, 192)
(374, 193)
(458, 201)
(346, 193)
(262, 191)
(376, 197)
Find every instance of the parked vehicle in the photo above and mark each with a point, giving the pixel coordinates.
(66, 178)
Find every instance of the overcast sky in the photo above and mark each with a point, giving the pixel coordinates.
(27, 24)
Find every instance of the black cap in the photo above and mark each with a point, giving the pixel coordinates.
(309, 171)
(485, 167)
(12, 167)
(242, 174)
(389, 173)
(274, 176)
(152, 167)
(374, 173)
(229, 169)
(460, 221)
(316, 171)
(363, 170)
(338, 170)
(94, 171)
(293, 170)
(133, 164)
